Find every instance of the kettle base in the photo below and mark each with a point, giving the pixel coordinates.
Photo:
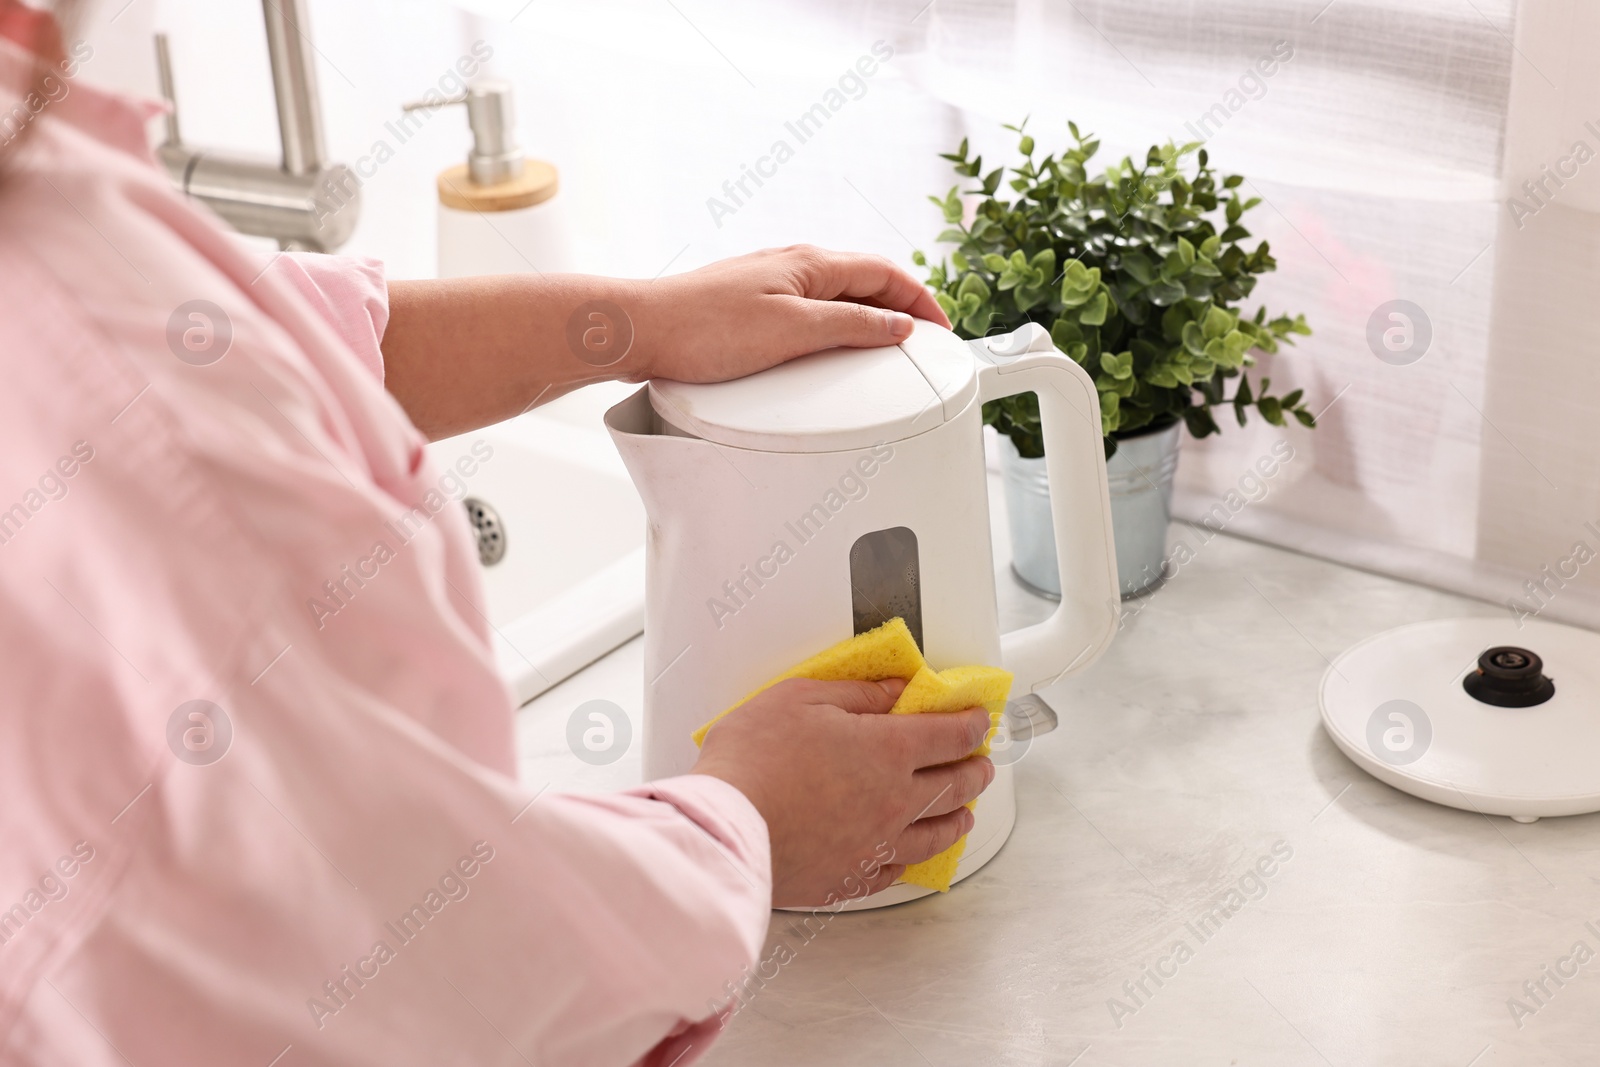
(1001, 819)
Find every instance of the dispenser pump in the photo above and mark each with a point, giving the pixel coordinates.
(496, 176)
(491, 113)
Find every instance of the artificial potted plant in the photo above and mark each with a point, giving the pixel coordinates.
(1138, 280)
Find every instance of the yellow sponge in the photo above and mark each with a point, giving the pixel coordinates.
(890, 652)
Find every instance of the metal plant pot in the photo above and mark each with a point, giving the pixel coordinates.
(1140, 476)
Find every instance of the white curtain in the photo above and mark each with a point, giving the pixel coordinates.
(1391, 149)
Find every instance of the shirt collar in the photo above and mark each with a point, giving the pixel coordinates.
(109, 117)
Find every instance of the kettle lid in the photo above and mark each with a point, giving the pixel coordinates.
(833, 400)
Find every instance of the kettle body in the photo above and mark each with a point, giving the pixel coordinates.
(794, 508)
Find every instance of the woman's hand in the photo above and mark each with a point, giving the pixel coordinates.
(851, 795)
(460, 353)
(742, 315)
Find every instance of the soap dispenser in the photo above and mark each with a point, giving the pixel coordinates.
(498, 211)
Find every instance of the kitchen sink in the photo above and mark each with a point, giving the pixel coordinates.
(561, 538)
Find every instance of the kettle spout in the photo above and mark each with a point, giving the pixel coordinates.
(666, 465)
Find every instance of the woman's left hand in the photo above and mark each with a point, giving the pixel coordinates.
(742, 315)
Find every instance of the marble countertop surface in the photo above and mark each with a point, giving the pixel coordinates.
(1128, 920)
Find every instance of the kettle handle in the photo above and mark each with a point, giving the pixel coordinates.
(1085, 621)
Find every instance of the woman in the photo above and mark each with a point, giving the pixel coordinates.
(361, 879)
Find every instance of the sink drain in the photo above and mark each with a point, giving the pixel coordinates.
(489, 530)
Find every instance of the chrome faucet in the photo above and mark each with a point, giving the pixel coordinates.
(306, 203)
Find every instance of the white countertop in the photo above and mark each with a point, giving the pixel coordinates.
(1393, 935)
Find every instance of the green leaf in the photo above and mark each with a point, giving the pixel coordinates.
(1139, 267)
(1305, 418)
(972, 284)
(1185, 252)
(1094, 312)
(1145, 353)
(1164, 293)
(1065, 333)
(1119, 367)
(1217, 322)
(1243, 398)
(1110, 412)
(1025, 146)
(1078, 284)
(1234, 347)
(1200, 422)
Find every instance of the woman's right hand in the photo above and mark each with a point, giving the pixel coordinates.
(850, 794)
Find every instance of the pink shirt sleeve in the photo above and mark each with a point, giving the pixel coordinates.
(679, 965)
(258, 789)
(348, 292)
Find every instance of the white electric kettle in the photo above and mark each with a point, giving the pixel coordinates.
(815, 500)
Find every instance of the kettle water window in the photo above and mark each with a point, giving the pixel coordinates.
(886, 580)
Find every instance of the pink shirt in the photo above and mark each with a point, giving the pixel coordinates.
(359, 879)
